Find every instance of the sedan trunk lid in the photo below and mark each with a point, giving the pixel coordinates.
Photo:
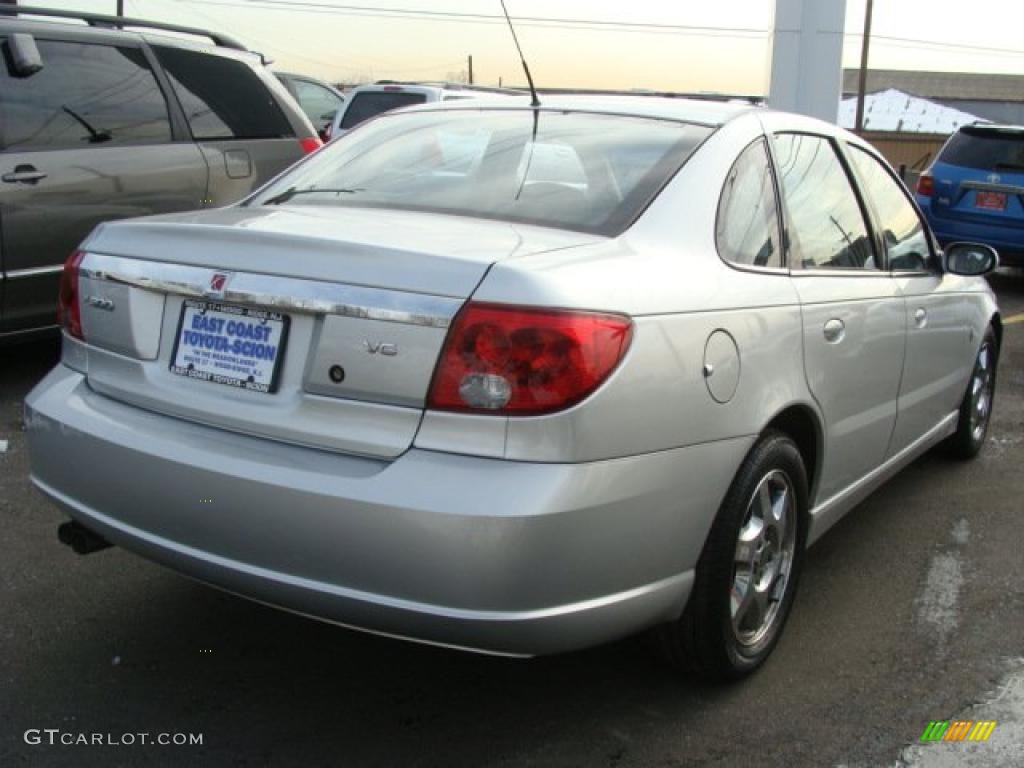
(326, 323)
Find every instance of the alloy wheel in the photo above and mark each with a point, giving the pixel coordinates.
(763, 560)
(982, 385)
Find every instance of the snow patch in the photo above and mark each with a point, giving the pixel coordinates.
(937, 605)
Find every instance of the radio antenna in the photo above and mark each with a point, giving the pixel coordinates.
(526, 68)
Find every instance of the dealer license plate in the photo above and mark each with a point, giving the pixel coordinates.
(225, 344)
(990, 201)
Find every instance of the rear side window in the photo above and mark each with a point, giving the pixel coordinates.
(86, 95)
(367, 104)
(905, 239)
(987, 150)
(826, 225)
(747, 229)
(223, 98)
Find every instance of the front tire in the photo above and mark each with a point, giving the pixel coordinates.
(748, 571)
(976, 407)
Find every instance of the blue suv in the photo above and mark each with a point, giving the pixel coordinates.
(975, 189)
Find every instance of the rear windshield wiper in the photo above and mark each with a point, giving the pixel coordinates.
(288, 194)
(1008, 167)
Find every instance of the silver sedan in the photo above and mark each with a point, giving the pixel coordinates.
(519, 380)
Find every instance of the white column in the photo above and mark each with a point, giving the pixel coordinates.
(807, 57)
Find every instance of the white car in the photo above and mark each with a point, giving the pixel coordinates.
(366, 101)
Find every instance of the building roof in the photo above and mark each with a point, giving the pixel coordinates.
(968, 86)
(893, 110)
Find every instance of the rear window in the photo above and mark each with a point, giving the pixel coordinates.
(367, 104)
(988, 150)
(586, 172)
(223, 98)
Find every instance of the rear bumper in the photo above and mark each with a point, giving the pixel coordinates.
(504, 557)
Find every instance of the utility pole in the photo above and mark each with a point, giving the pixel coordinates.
(471, 69)
(862, 84)
(120, 7)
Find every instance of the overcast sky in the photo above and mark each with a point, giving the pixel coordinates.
(684, 45)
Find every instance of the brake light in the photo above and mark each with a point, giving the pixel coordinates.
(69, 312)
(522, 361)
(926, 185)
(310, 144)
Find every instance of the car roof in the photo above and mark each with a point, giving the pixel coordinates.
(991, 128)
(701, 111)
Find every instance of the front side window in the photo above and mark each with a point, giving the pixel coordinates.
(906, 239)
(222, 98)
(826, 225)
(747, 229)
(317, 102)
(85, 95)
(586, 172)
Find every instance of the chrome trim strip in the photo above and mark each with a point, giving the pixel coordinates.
(833, 272)
(275, 292)
(1010, 189)
(16, 274)
(829, 512)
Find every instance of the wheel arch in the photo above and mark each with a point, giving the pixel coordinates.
(803, 425)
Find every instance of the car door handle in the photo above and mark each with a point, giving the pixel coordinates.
(920, 317)
(25, 174)
(834, 330)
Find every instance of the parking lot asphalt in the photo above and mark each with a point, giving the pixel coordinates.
(910, 610)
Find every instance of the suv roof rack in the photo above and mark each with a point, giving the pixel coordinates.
(116, 22)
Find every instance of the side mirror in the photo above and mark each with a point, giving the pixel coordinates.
(969, 259)
(25, 57)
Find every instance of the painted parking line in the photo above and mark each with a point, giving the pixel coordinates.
(1014, 319)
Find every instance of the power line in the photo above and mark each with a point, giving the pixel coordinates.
(912, 42)
(592, 25)
(302, 6)
(482, 18)
(367, 62)
(498, 18)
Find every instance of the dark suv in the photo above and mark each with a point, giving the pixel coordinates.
(99, 123)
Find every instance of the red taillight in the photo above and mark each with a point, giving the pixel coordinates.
(521, 361)
(310, 144)
(69, 312)
(926, 185)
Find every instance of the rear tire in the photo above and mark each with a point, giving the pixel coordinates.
(747, 574)
(976, 407)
